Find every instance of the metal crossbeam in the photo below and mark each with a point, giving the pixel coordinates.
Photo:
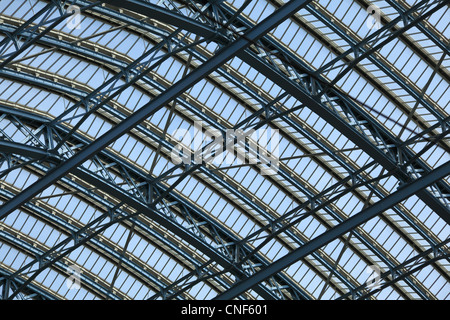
(436, 253)
(136, 187)
(32, 291)
(388, 161)
(150, 108)
(48, 21)
(346, 226)
(108, 186)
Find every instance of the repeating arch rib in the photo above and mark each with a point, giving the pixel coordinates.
(353, 187)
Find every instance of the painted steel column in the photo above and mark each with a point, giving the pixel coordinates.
(150, 108)
(330, 235)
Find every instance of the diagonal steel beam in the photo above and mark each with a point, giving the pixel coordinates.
(96, 181)
(150, 108)
(330, 235)
(330, 116)
(31, 291)
(318, 257)
(400, 272)
(47, 19)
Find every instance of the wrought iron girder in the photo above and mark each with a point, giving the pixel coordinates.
(32, 292)
(33, 251)
(325, 263)
(106, 186)
(154, 83)
(28, 151)
(147, 133)
(201, 273)
(12, 37)
(328, 236)
(332, 116)
(133, 72)
(249, 201)
(361, 53)
(283, 224)
(351, 110)
(45, 25)
(353, 176)
(412, 265)
(158, 217)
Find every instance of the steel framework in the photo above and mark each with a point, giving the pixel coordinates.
(132, 164)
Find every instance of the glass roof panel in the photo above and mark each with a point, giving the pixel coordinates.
(186, 214)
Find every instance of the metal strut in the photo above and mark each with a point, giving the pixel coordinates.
(346, 226)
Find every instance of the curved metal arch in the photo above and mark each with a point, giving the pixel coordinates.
(97, 140)
(234, 191)
(112, 254)
(439, 252)
(32, 291)
(366, 242)
(405, 192)
(225, 187)
(104, 185)
(386, 139)
(435, 38)
(388, 161)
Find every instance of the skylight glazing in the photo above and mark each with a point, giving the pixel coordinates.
(359, 111)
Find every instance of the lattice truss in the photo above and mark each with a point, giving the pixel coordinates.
(106, 195)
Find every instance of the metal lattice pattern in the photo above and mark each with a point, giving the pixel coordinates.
(131, 163)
